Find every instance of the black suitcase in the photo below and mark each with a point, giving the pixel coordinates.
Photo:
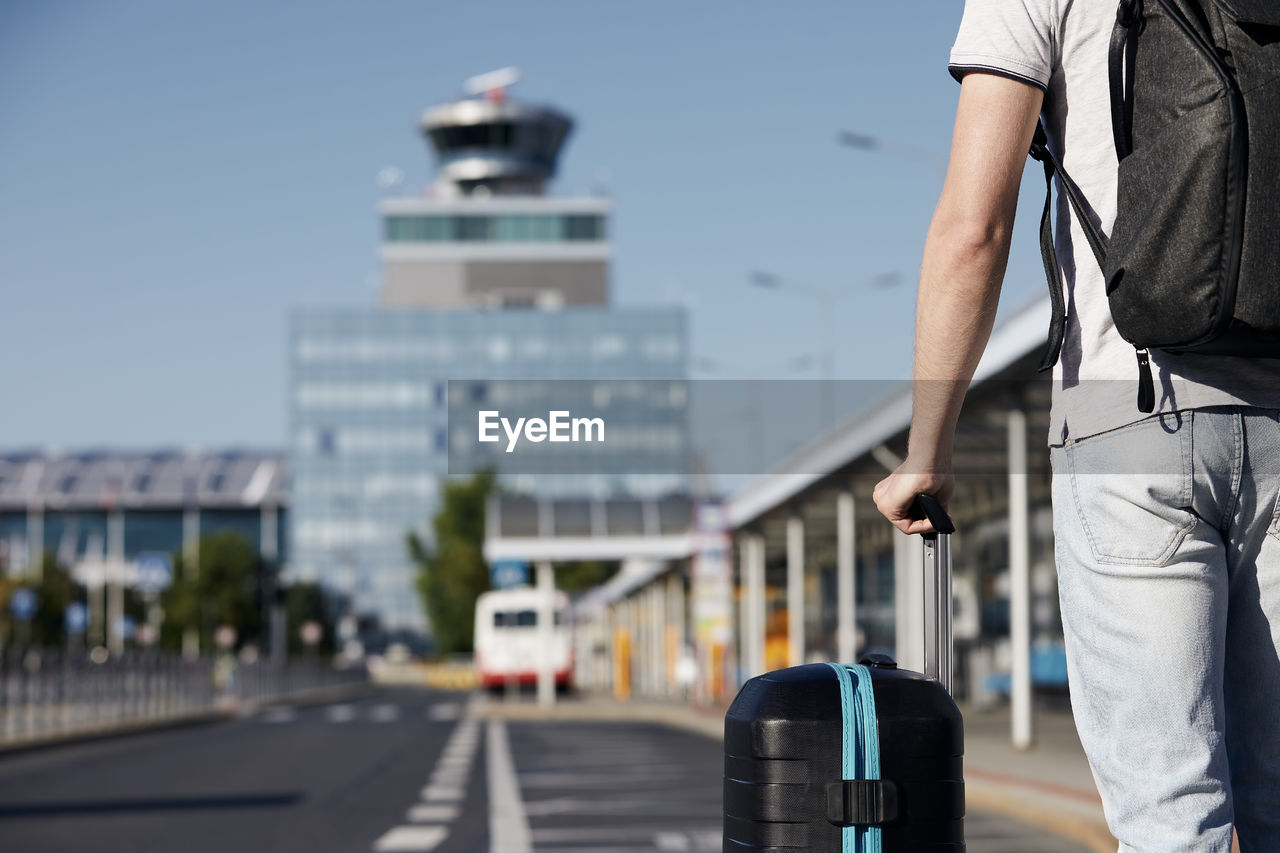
(853, 759)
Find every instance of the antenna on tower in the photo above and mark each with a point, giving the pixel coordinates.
(493, 84)
(389, 179)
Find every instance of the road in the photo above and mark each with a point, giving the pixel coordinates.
(401, 770)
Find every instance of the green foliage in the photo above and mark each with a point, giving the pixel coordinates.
(221, 589)
(576, 578)
(55, 591)
(453, 573)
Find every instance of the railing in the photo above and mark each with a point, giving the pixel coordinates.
(48, 694)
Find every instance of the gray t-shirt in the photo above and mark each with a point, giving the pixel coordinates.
(1060, 46)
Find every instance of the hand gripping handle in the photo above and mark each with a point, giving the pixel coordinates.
(937, 589)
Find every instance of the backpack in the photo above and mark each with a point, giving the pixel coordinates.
(1192, 264)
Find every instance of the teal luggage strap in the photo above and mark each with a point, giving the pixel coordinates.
(861, 801)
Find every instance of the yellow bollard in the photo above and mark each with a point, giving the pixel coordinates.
(621, 663)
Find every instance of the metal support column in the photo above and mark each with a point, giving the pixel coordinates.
(795, 590)
(115, 582)
(1019, 581)
(35, 539)
(753, 546)
(846, 579)
(546, 634)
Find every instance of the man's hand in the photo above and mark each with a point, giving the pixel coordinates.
(895, 494)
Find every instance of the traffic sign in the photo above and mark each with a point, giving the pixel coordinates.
(504, 574)
(155, 571)
(76, 617)
(310, 632)
(225, 636)
(23, 604)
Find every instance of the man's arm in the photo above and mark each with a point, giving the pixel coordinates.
(965, 255)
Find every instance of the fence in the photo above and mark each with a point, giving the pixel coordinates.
(45, 694)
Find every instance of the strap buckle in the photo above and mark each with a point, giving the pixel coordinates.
(862, 802)
(1127, 12)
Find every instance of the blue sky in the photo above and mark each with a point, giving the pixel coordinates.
(175, 177)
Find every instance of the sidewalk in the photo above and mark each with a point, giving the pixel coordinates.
(1048, 786)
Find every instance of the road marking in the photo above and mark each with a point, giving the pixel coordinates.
(436, 793)
(341, 713)
(508, 824)
(279, 715)
(449, 776)
(444, 711)
(456, 760)
(706, 838)
(384, 714)
(411, 839)
(427, 813)
(703, 839)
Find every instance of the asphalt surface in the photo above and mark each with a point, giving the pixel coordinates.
(401, 770)
(332, 777)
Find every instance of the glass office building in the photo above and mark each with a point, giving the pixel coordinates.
(91, 507)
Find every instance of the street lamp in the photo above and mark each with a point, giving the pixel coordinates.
(825, 297)
(867, 142)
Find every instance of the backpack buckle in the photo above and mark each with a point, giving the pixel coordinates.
(1127, 12)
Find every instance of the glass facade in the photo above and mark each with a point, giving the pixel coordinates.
(75, 536)
(504, 228)
(370, 431)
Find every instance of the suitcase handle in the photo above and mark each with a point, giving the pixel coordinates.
(927, 506)
(937, 589)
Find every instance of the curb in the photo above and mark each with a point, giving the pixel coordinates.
(314, 696)
(110, 730)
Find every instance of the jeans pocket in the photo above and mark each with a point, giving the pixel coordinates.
(1132, 489)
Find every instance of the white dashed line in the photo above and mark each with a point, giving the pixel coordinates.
(411, 839)
(445, 711)
(442, 793)
(384, 714)
(434, 812)
(340, 713)
(429, 820)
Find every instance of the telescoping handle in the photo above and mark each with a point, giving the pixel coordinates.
(938, 639)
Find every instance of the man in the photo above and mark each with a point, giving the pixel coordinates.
(1166, 526)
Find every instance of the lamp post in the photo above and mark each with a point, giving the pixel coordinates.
(826, 299)
(868, 142)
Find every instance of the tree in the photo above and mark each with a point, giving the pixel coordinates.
(222, 588)
(452, 572)
(579, 577)
(55, 591)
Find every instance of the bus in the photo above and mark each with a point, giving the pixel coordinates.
(506, 639)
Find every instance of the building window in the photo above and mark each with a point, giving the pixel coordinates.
(507, 228)
(584, 227)
(473, 228)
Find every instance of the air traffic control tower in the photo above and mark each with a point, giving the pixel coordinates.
(485, 235)
(486, 278)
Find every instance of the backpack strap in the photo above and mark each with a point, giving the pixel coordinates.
(1120, 56)
(1048, 254)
